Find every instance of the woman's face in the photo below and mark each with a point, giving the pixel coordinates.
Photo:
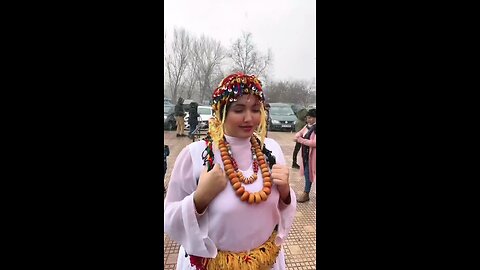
(243, 117)
(311, 120)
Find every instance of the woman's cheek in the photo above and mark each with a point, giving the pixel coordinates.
(258, 117)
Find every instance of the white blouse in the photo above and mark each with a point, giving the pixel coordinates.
(228, 224)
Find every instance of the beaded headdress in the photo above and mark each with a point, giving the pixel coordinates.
(229, 89)
(234, 86)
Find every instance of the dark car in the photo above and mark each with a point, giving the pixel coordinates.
(169, 122)
(282, 117)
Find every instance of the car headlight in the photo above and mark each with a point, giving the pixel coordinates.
(164, 117)
(275, 122)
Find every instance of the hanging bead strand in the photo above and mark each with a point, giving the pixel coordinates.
(227, 158)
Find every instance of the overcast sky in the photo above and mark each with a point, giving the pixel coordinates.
(287, 27)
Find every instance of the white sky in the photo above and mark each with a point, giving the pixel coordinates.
(287, 27)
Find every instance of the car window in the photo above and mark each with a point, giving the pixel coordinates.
(204, 111)
(281, 111)
(167, 109)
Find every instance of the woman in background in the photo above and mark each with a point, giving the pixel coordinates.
(308, 168)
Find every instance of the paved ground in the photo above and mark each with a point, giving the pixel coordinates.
(300, 249)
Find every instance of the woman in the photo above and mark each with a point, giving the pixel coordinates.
(307, 138)
(237, 210)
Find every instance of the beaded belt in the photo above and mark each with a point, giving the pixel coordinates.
(260, 258)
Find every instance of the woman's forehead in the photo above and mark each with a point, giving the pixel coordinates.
(247, 99)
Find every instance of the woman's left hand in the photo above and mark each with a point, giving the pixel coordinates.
(280, 177)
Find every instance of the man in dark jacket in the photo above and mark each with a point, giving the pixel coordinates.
(301, 122)
(193, 118)
(179, 114)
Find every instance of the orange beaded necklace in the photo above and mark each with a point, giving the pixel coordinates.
(242, 178)
(256, 197)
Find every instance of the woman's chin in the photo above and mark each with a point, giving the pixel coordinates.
(241, 133)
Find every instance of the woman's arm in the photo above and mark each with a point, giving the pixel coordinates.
(182, 222)
(299, 134)
(287, 209)
(312, 142)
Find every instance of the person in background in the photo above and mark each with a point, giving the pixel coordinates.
(301, 118)
(229, 204)
(179, 115)
(307, 138)
(193, 118)
(267, 110)
(166, 153)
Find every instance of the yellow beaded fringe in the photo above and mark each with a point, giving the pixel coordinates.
(260, 258)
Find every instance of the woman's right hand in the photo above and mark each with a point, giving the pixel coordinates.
(210, 185)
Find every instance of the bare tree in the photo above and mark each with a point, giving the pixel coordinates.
(247, 59)
(190, 79)
(176, 62)
(297, 92)
(207, 55)
(165, 84)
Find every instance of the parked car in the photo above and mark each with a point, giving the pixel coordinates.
(169, 119)
(169, 122)
(205, 113)
(282, 117)
(167, 101)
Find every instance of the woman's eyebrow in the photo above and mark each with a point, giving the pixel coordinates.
(241, 105)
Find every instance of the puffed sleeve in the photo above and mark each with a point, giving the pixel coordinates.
(286, 211)
(182, 223)
(299, 134)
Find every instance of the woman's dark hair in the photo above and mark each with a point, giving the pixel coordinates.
(312, 113)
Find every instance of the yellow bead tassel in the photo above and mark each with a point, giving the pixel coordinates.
(262, 257)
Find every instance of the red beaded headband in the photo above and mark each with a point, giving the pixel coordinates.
(234, 86)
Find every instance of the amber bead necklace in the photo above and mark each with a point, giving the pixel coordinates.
(241, 177)
(236, 180)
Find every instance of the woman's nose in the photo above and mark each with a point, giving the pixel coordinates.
(248, 116)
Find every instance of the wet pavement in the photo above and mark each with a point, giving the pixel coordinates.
(300, 248)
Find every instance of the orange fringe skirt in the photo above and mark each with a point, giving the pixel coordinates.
(260, 258)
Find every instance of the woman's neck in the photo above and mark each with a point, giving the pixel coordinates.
(241, 151)
(236, 139)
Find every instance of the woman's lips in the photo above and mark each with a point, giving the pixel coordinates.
(246, 128)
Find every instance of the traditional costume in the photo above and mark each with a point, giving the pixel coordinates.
(244, 226)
